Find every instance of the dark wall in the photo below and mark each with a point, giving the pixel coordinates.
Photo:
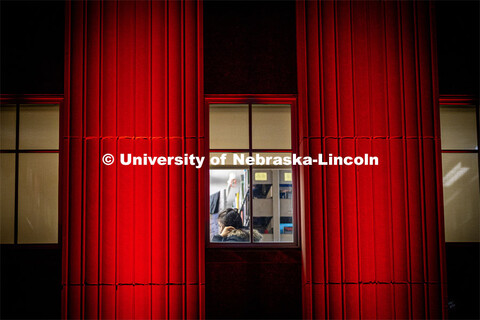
(463, 276)
(458, 68)
(457, 39)
(30, 282)
(249, 47)
(253, 284)
(32, 41)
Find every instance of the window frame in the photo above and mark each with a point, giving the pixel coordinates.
(462, 101)
(33, 99)
(250, 99)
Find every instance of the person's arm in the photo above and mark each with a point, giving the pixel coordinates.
(226, 231)
(223, 235)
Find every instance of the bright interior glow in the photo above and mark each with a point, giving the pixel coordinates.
(39, 127)
(459, 127)
(461, 197)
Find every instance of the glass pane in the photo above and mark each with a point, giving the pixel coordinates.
(271, 126)
(459, 127)
(39, 127)
(7, 126)
(229, 205)
(228, 126)
(7, 196)
(38, 198)
(230, 159)
(461, 197)
(273, 200)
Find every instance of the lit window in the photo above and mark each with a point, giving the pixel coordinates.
(248, 200)
(460, 159)
(29, 173)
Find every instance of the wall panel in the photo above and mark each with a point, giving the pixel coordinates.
(133, 238)
(372, 237)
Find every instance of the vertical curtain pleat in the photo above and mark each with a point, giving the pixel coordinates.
(372, 237)
(132, 237)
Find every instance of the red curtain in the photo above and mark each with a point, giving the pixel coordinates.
(133, 238)
(372, 237)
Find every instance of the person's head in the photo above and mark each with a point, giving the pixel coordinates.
(230, 218)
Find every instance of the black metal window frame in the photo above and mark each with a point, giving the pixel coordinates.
(463, 101)
(17, 101)
(280, 99)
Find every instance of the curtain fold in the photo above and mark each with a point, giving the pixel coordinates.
(372, 237)
(132, 238)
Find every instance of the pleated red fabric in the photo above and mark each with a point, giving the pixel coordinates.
(132, 237)
(372, 237)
